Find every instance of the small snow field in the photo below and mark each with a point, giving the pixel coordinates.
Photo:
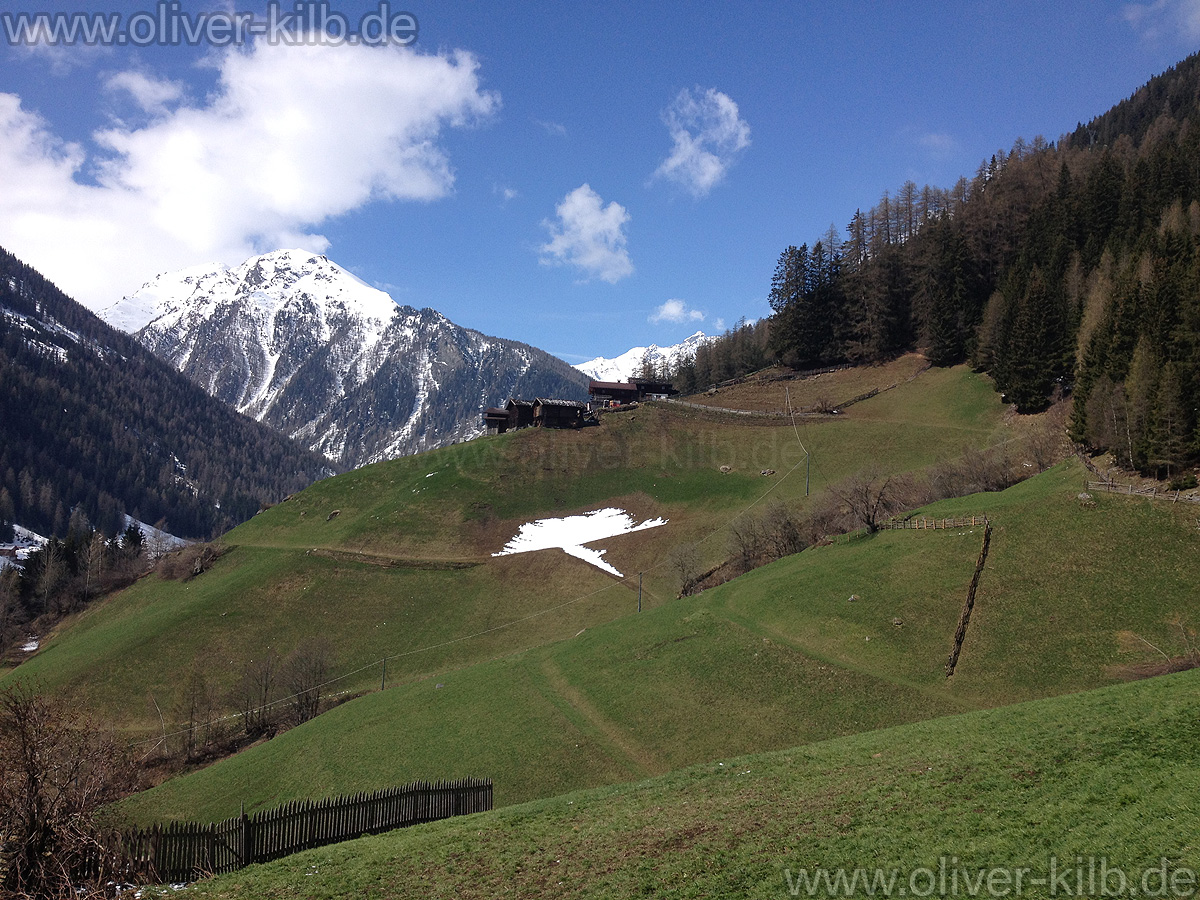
(570, 533)
(24, 543)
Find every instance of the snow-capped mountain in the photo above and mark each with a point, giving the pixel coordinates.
(629, 364)
(294, 340)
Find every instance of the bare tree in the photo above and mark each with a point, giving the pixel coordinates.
(52, 575)
(193, 712)
(685, 563)
(745, 542)
(305, 674)
(56, 770)
(871, 497)
(92, 558)
(824, 516)
(158, 543)
(253, 693)
(781, 530)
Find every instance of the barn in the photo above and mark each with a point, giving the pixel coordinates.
(549, 413)
(520, 414)
(610, 393)
(495, 419)
(618, 393)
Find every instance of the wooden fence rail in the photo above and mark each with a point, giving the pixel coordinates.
(185, 851)
(1153, 491)
(933, 524)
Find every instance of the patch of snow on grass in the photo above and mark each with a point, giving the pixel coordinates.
(570, 533)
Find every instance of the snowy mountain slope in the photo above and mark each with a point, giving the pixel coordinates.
(629, 364)
(294, 340)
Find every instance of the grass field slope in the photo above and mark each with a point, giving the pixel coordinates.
(779, 657)
(1070, 796)
(538, 671)
(397, 557)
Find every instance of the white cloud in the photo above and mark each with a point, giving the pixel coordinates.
(291, 137)
(555, 128)
(708, 133)
(937, 143)
(1171, 19)
(505, 193)
(149, 93)
(64, 60)
(589, 235)
(676, 311)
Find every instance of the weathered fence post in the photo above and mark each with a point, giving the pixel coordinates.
(245, 848)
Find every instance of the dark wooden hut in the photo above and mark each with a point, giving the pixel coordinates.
(520, 414)
(654, 389)
(495, 419)
(549, 413)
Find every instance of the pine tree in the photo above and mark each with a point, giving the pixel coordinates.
(1141, 389)
(1169, 427)
(1034, 351)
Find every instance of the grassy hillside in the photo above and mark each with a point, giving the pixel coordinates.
(536, 670)
(1105, 777)
(396, 558)
(776, 658)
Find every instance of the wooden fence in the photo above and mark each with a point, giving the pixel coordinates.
(922, 523)
(185, 851)
(1153, 491)
(964, 617)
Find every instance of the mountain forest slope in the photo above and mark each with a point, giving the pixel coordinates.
(92, 421)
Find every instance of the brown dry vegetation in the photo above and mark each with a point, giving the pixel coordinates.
(769, 391)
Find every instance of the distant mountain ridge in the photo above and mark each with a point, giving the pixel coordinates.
(629, 364)
(294, 340)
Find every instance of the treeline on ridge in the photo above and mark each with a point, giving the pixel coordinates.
(1059, 269)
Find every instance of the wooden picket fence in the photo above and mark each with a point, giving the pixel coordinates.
(1153, 491)
(923, 523)
(186, 851)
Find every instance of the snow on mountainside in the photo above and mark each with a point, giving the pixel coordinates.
(629, 364)
(294, 340)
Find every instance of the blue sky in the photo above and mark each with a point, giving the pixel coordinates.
(583, 177)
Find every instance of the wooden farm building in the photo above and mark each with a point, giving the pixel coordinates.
(618, 393)
(549, 413)
(495, 418)
(520, 414)
(543, 412)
